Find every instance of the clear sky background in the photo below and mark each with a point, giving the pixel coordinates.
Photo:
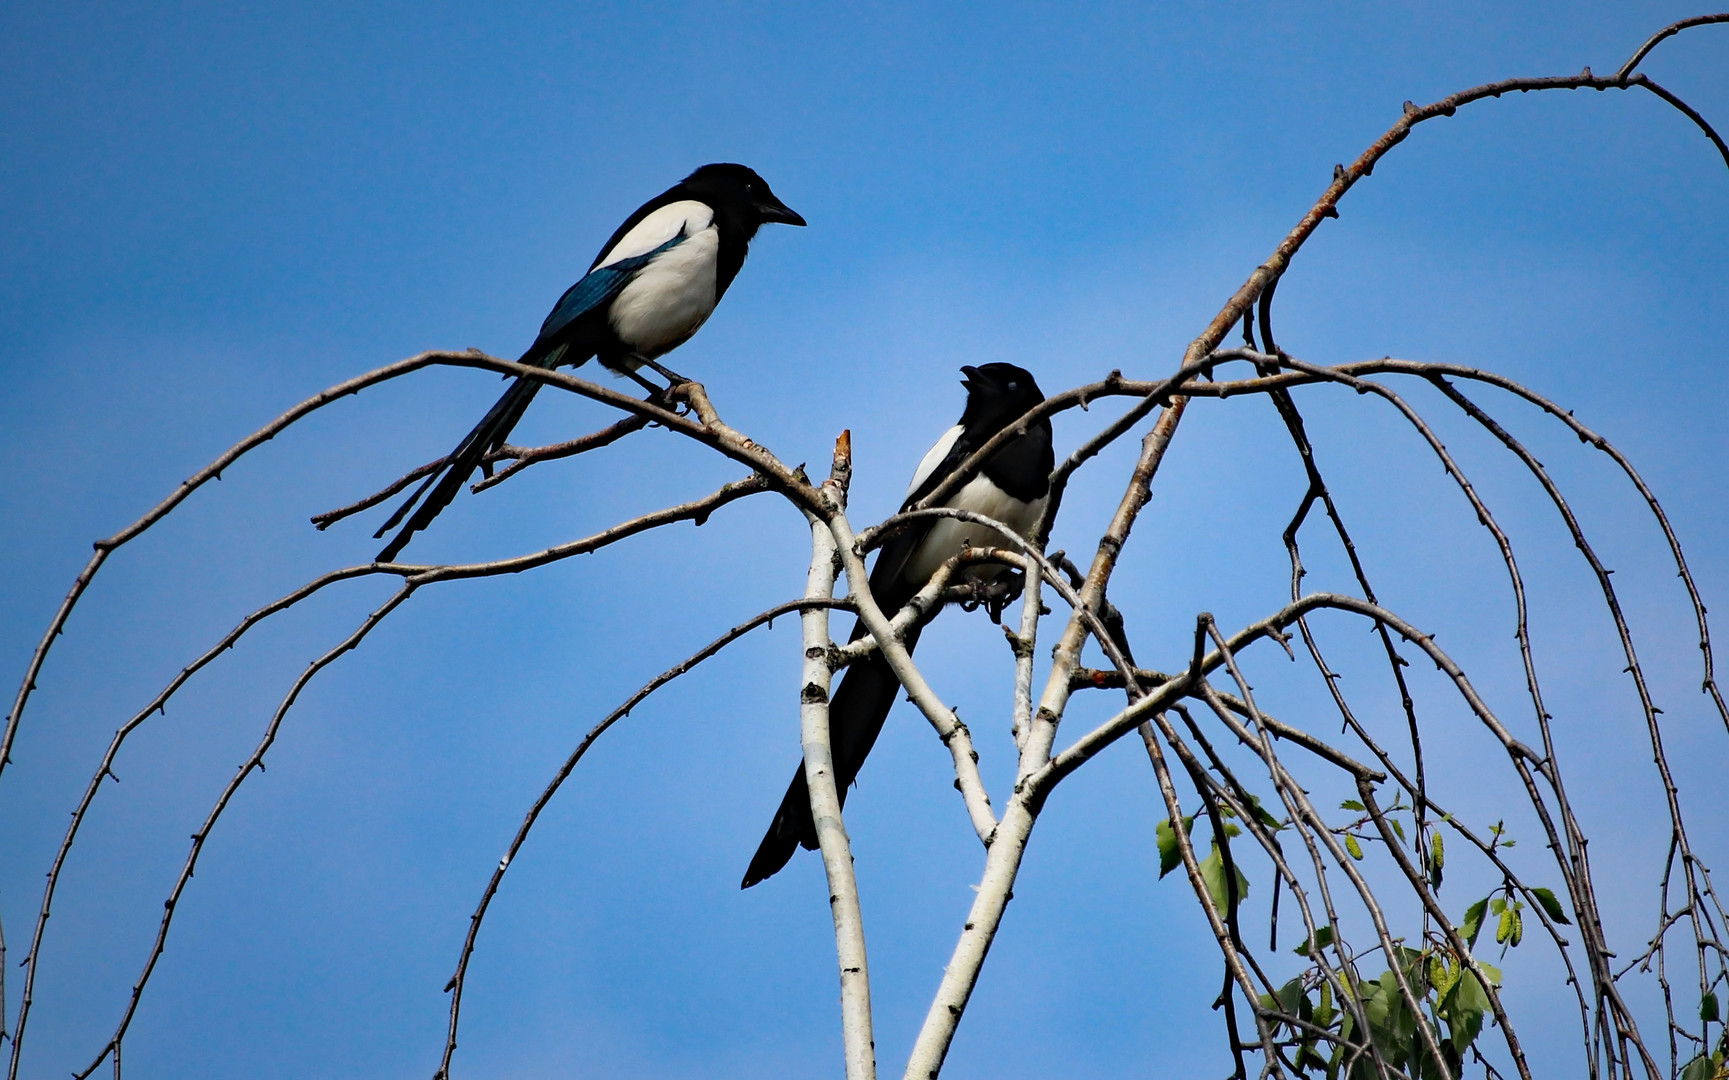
(209, 212)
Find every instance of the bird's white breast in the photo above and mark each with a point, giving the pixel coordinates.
(670, 298)
(948, 536)
(667, 300)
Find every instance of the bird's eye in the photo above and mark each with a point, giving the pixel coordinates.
(1014, 385)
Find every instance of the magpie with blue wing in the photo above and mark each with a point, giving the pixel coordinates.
(1012, 487)
(651, 287)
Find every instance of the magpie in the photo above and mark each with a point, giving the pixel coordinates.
(653, 284)
(1012, 487)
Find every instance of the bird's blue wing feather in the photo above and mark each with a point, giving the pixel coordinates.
(598, 287)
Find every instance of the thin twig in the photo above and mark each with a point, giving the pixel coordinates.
(457, 981)
(255, 762)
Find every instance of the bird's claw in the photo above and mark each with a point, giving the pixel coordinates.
(672, 377)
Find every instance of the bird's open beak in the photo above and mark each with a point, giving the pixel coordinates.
(776, 211)
(971, 373)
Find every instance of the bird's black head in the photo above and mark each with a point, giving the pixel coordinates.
(738, 192)
(997, 394)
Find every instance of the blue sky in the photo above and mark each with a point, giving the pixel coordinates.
(210, 212)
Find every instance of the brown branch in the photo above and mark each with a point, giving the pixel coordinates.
(1095, 678)
(1667, 32)
(455, 986)
(697, 510)
(1297, 805)
(1686, 110)
(413, 577)
(521, 457)
(256, 761)
(526, 456)
(1067, 654)
(710, 431)
(105, 769)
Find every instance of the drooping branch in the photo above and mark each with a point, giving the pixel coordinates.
(1432, 371)
(252, 763)
(520, 458)
(459, 980)
(1297, 804)
(709, 430)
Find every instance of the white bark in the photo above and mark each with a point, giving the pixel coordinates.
(855, 994)
(1024, 643)
(1002, 863)
(948, 726)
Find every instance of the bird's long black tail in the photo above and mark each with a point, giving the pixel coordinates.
(447, 480)
(855, 718)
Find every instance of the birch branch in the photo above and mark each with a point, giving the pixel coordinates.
(709, 431)
(254, 762)
(1066, 656)
(459, 980)
(949, 728)
(825, 808)
(520, 457)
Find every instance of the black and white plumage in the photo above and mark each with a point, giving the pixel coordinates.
(654, 283)
(1012, 487)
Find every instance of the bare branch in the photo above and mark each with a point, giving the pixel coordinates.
(710, 432)
(255, 762)
(521, 458)
(1667, 32)
(949, 728)
(458, 980)
(526, 456)
(825, 808)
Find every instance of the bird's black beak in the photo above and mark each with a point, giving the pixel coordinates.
(773, 210)
(972, 376)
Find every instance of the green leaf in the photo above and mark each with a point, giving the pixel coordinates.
(1708, 1008)
(1700, 1068)
(1398, 828)
(1323, 938)
(1378, 1006)
(1473, 921)
(1463, 1009)
(1550, 905)
(1509, 843)
(1469, 993)
(1213, 876)
(1351, 804)
(1262, 816)
(1171, 856)
(1291, 997)
(1397, 1025)
(1408, 957)
(1353, 847)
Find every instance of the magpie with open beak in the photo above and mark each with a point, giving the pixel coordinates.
(1012, 487)
(651, 287)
